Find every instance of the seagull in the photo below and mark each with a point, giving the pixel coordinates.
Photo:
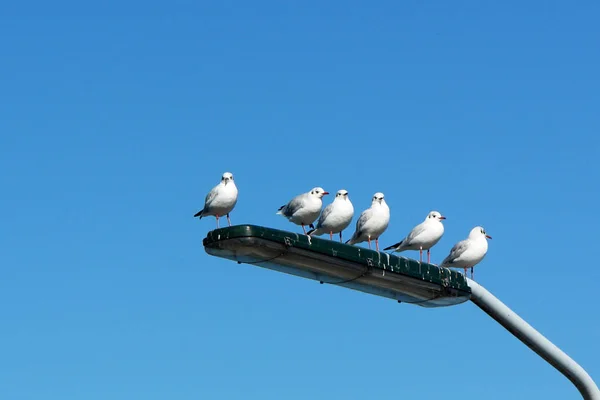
(335, 217)
(221, 199)
(423, 236)
(469, 252)
(372, 222)
(304, 208)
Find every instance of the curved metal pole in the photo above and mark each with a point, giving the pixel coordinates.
(534, 340)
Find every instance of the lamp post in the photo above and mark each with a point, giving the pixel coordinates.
(534, 340)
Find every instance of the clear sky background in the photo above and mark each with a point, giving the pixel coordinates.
(116, 119)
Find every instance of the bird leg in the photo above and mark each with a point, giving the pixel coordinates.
(471, 272)
(228, 220)
(217, 221)
(330, 235)
(369, 240)
(428, 257)
(420, 254)
(377, 244)
(341, 237)
(465, 268)
(303, 228)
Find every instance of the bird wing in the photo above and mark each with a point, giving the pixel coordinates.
(416, 231)
(407, 241)
(456, 251)
(326, 211)
(294, 205)
(362, 220)
(210, 197)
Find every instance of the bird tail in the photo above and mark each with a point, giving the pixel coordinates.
(280, 210)
(199, 214)
(354, 237)
(394, 246)
(351, 240)
(313, 230)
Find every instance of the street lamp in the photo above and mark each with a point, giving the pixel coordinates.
(382, 274)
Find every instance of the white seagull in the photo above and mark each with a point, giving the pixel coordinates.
(423, 236)
(304, 208)
(335, 217)
(469, 252)
(372, 222)
(221, 199)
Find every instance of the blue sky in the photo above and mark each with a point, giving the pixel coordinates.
(117, 120)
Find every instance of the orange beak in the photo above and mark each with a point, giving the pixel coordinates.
(324, 193)
(442, 217)
(488, 236)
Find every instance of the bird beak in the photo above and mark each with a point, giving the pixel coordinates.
(324, 193)
(488, 236)
(442, 217)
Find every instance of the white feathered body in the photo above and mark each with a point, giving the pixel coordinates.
(423, 236)
(466, 253)
(221, 199)
(302, 209)
(335, 217)
(371, 223)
